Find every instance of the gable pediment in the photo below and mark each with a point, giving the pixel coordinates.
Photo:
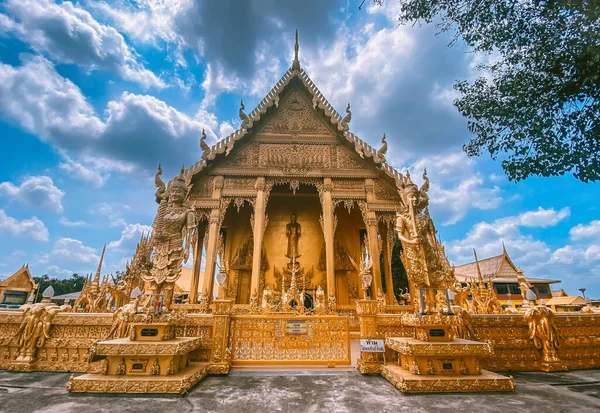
(295, 116)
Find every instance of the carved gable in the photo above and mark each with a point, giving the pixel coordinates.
(295, 116)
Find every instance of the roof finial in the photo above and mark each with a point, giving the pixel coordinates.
(296, 62)
(96, 281)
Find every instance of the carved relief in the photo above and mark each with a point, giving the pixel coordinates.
(203, 189)
(349, 184)
(295, 116)
(247, 157)
(239, 183)
(382, 192)
(294, 159)
(347, 161)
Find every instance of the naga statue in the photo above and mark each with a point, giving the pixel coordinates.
(171, 235)
(422, 253)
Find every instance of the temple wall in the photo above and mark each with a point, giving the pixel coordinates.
(579, 336)
(514, 350)
(72, 334)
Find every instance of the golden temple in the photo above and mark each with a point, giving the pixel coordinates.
(298, 220)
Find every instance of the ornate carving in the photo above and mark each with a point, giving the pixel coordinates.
(383, 193)
(294, 159)
(295, 116)
(543, 332)
(203, 189)
(239, 183)
(34, 330)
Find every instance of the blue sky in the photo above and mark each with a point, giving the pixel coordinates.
(94, 94)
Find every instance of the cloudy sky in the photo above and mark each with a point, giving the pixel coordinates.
(94, 94)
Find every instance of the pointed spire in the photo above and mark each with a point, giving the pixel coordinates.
(504, 249)
(296, 62)
(96, 282)
(479, 276)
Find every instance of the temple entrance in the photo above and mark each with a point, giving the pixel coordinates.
(294, 233)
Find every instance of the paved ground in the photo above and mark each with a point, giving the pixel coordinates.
(299, 392)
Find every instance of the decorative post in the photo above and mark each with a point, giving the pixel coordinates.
(328, 219)
(388, 243)
(368, 363)
(259, 222)
(197, 264)
(211, 252)
(374, 250)
(220, 360)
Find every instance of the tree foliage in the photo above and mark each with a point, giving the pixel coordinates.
(61, 286)
(537, 103)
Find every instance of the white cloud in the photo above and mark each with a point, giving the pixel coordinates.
(35, 191)
(216, 81)
(456, 186)
(71, 250)
(130, 236)
(543, 218)
(42, 102)
(31, 228)
(139, 130)
(581, 231)
(68, 223)
(113, 211)
(83, 173)
(67, 33)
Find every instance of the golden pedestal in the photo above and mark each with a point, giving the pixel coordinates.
(151, 360)
(436, 362)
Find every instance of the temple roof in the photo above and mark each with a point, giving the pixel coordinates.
(226, 144)
(24, 269)
(491, 268)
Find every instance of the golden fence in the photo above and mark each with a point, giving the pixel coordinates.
(563, 341)
(289, 339)
(70, 336)
(578, 344)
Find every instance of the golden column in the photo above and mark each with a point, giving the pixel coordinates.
(259, 222)
(211, 251)
(197, 264)
(372, 234)
(388, 244)
(328, 220)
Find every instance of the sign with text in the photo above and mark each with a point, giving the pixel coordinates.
(296, 327)
(372, 346)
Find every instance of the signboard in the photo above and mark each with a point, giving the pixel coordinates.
(372, 346)
(296, 327)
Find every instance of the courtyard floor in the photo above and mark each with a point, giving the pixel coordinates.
(298, 392)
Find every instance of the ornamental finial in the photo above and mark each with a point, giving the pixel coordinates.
(296, 62)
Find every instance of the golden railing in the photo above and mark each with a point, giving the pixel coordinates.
(289, 339)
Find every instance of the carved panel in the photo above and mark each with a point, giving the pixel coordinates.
(203, 189)
(349, 184)
(382, 192)
(247, 157)
(295, 116)
(239, 183)
(295, 158)
(347, 161)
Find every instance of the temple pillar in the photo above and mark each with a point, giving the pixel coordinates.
(388, 244)
(372, 234)
(329, 233)
(211, 251)
(259, 222)
(193, 299)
